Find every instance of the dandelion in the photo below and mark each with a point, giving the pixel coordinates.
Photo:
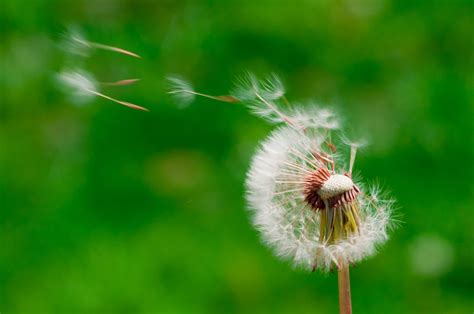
(310, 210)
(307, 206)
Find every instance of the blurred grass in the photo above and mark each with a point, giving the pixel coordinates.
(108, 210)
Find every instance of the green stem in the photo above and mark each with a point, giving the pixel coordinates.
(345, 306)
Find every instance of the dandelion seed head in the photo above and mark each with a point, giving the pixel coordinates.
(308, 208)
(250, 87)
(278, 187)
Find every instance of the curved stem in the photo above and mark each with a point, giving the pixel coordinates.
(343, 278)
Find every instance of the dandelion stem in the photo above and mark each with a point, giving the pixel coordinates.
(344, 284)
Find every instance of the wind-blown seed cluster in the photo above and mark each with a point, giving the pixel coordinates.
(80, 84)
(306, 206)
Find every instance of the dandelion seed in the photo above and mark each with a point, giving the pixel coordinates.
(262, 96)
(246, 87)
(273, 87)
(249, 86)
(82, 86)
(112, 48)
(75, 42)
(121, 82)
(184, 94)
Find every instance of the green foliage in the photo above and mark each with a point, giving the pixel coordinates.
(104, 209)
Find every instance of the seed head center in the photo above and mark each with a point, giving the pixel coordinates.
(337, 184)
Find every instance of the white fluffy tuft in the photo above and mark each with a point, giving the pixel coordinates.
(275, 185)
(80, 84)
(249, 87)
(74, 42)
(315, 117)
(261, 96)
(181, 90)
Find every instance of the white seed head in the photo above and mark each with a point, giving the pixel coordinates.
(292, 182)
(275, 192)
(335, 185)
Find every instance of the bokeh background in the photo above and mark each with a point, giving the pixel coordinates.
(104, 209)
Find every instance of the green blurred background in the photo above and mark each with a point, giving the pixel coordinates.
(104, 209)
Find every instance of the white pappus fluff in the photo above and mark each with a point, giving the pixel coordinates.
(275, 186)
(181, 90)
(81, 85)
